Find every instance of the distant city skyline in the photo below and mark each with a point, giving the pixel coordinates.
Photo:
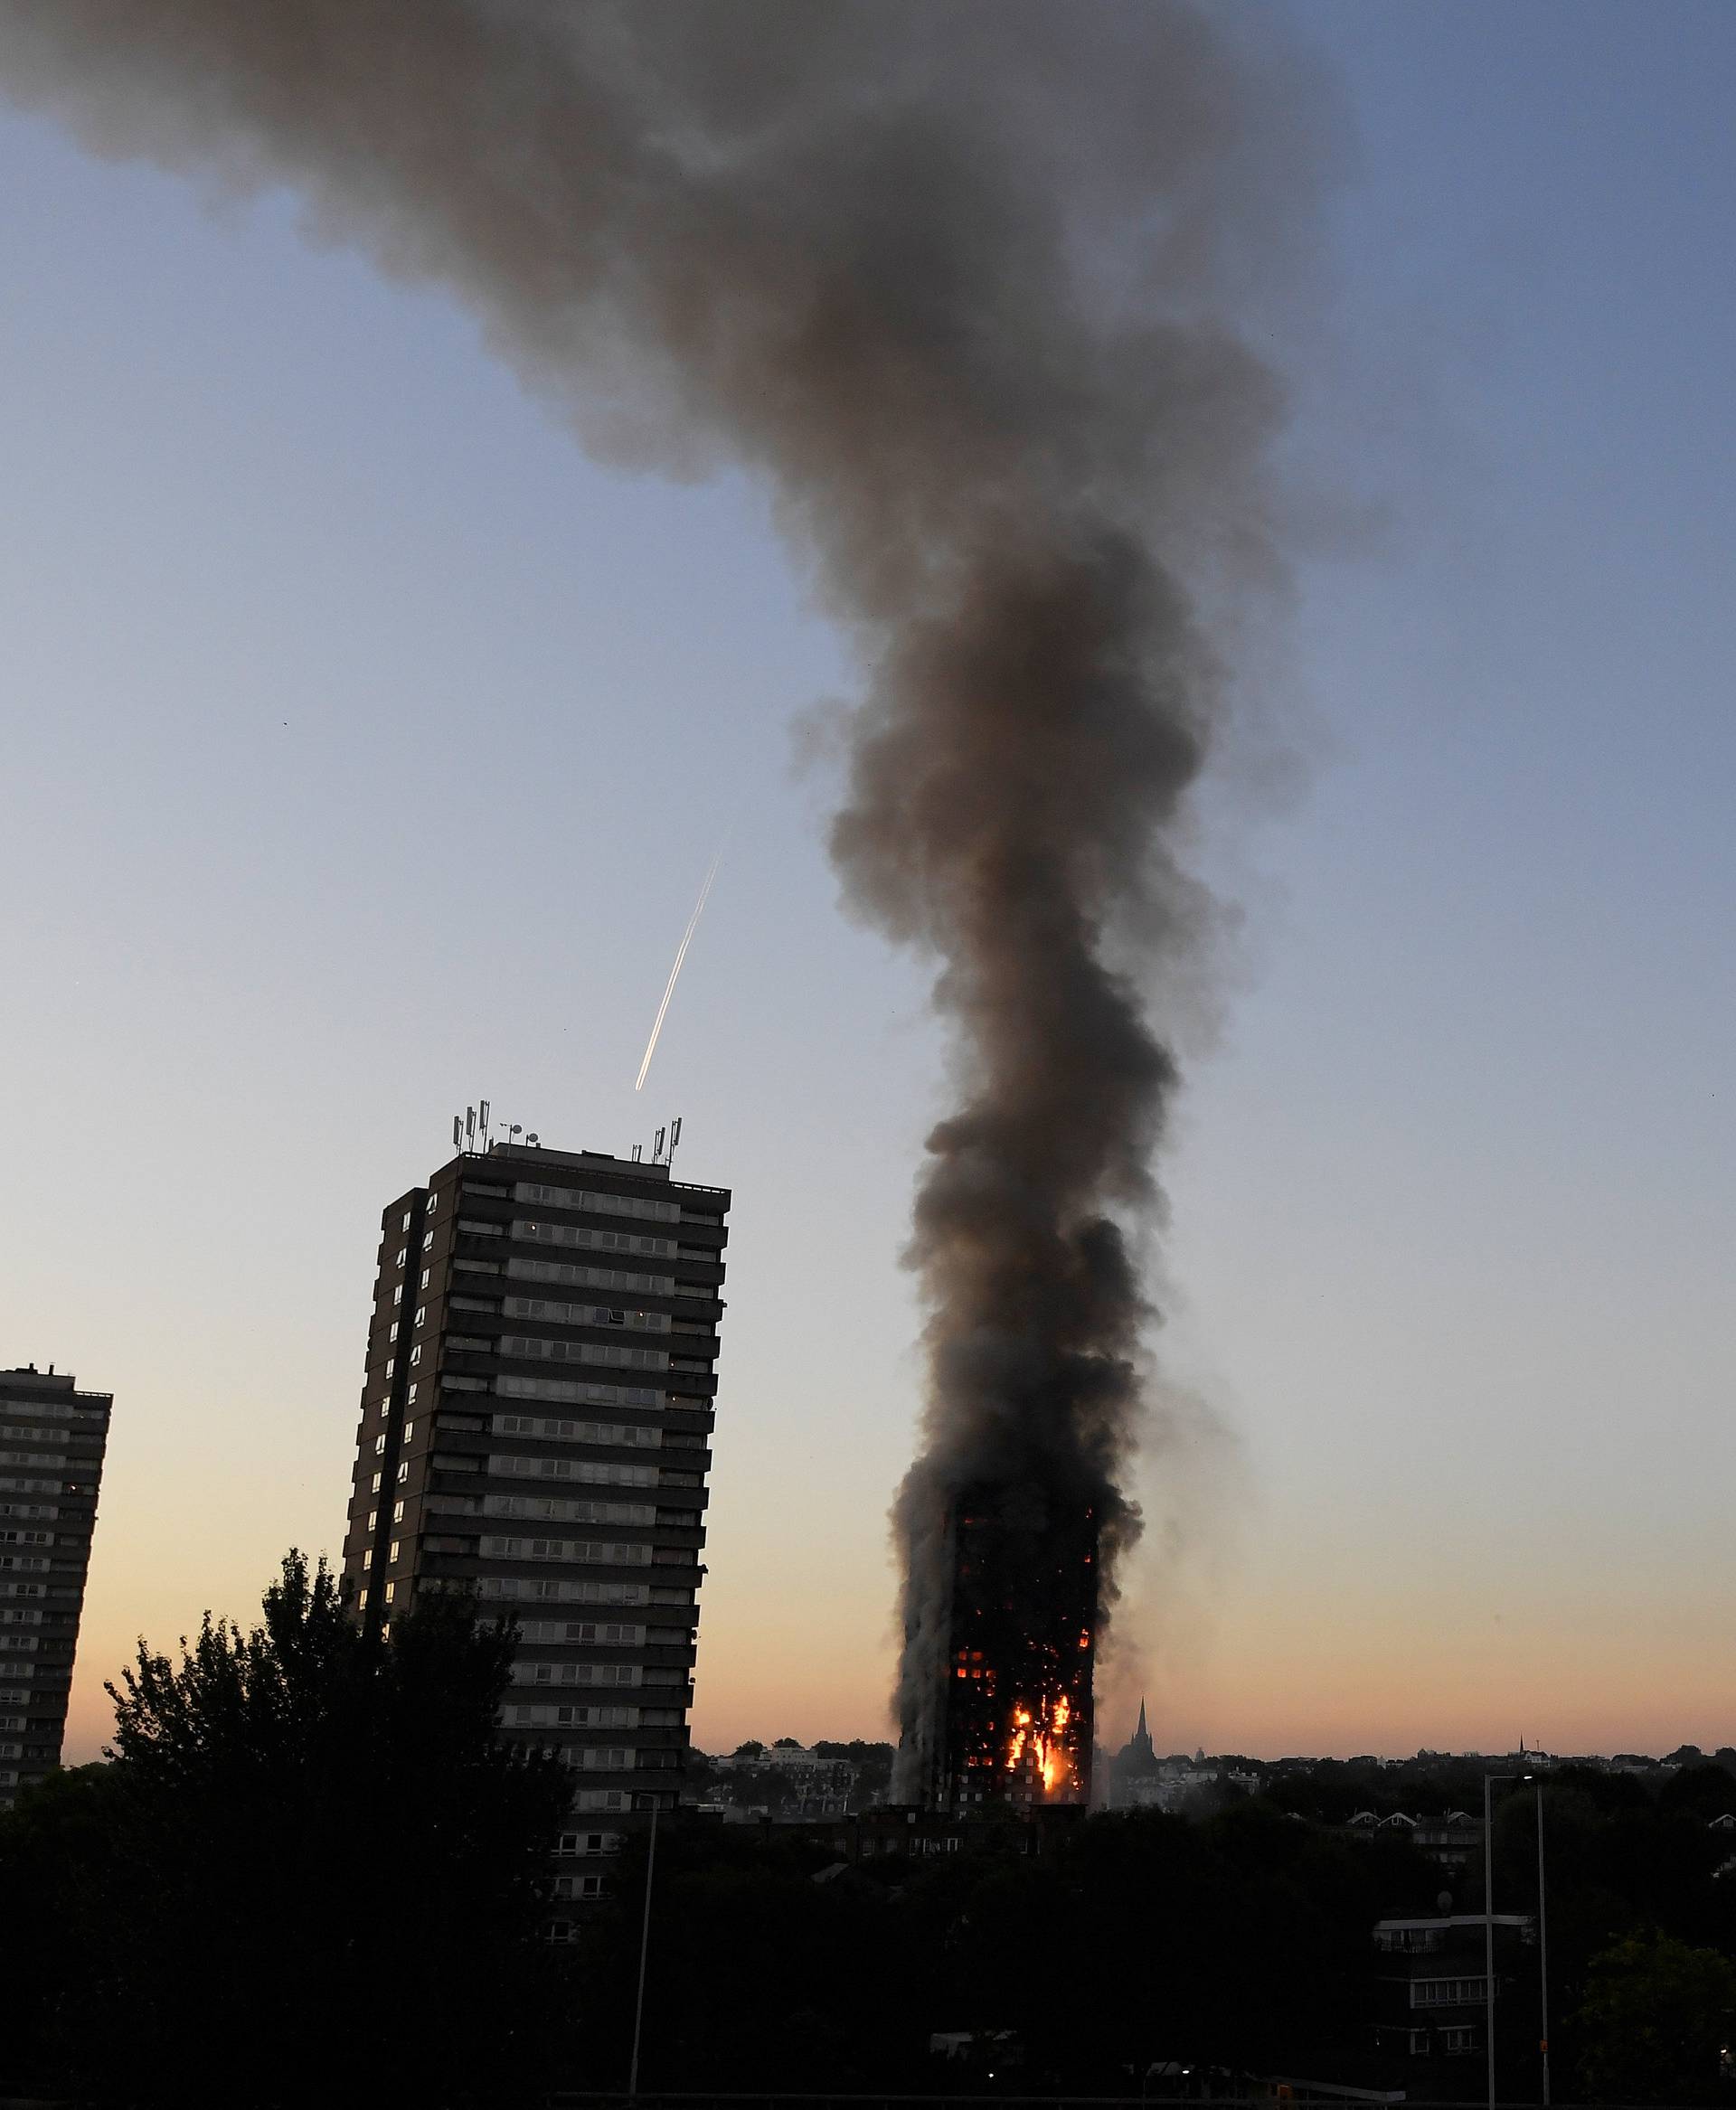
(297, 580)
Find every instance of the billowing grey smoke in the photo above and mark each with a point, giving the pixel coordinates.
(960, 280)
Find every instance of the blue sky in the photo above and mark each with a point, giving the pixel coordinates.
(367, 746)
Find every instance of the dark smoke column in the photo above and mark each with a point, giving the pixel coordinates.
(962, 285)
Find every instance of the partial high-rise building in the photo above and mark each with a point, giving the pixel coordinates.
(1011, 1714)
(536, 1425)
(52, 1440)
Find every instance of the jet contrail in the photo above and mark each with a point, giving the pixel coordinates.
(669, 990)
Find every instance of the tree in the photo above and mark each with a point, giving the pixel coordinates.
(1654, 2017)
(310, 1871)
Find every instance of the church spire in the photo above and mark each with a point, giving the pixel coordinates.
(1142, 1730)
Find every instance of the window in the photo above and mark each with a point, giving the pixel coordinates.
(393, 1335)
(379, 1446)
(392, 1364)
(392, 1552)
(409, 1397)
(403, 1254)
(397, 1512)
(408, 1214)
(373, 1518)
(433, 1203)
(427, 1240)
(426, 1273)
(398, 1298)
(421, 1313)
(403, 1473)
(375, 1488)
(391, 1591)
(410, 1430)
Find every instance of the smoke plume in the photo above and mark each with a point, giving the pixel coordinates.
(963, 282)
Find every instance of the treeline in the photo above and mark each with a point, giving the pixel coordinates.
(310, 1873)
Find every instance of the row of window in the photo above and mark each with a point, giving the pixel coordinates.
(575, 1392)
(581, 1237)
(54, 1410)
(576, 1844)
(572, 1717)
(571, 1275)
(9, 1484)
(648, 1211)
(592, 1552)
(603, 1633)
(608, 1757)
(628, 1674)
(564, 1314)
(548, 1508)
(12, 1537)
(1447, 1992)
(532, 1347)
(617, 1435)
(517, 1589)
(583, 1469)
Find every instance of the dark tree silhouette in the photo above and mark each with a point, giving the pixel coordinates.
(309, 1872)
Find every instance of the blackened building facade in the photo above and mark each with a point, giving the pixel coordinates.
(52, 1441)
(537, 1425)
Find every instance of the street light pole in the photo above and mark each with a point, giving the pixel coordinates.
(1543, 1946)
(645, 1944)
(1488, 1931)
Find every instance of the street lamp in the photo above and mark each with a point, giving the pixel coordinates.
(1489, 1927)
(1543, 1946)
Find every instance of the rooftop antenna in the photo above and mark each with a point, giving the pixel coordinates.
(470, 1126)
(675, 1137)
(656, 1148)
(482, 1120)
(458, 1131)
(638, 1151)
(517, 1128)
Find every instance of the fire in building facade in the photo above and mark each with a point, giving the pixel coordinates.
(1013, 1723)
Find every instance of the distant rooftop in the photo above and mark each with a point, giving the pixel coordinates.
(28, 1377)
(596, 1161)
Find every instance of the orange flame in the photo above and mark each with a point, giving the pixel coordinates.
(1042, 1739)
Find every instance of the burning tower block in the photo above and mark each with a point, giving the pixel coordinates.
(1011, 1720)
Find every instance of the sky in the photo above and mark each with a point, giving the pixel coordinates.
(366, 746)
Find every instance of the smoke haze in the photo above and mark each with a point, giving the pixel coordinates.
(964, 283)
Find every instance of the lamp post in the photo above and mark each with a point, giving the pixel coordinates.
(1488, 1928)
(1543, 1947)
(645, 1947)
